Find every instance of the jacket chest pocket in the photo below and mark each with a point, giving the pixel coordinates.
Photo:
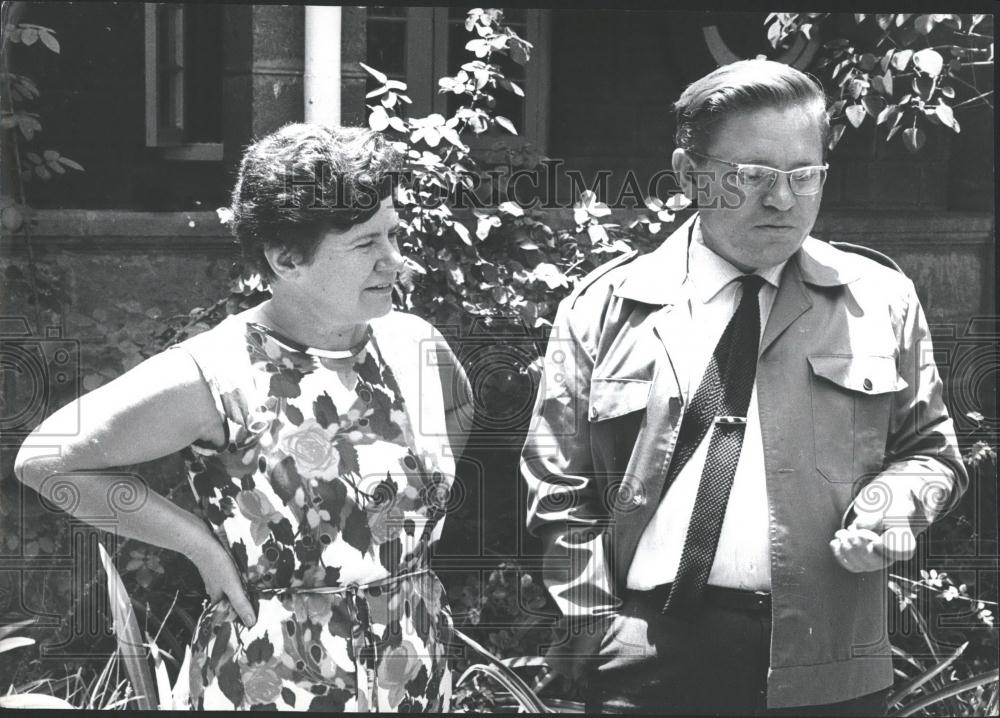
(852, 398)
(616, 411)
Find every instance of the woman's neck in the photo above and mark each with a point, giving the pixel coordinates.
(299, 324)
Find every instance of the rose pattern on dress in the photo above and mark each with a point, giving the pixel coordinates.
(312, 448)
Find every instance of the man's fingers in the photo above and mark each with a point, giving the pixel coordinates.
(855, 553)
(898, 543)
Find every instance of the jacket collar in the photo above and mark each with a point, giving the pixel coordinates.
(656, 278)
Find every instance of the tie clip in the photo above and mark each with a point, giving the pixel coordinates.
(730, 420)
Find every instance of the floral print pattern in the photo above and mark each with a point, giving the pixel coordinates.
(329, 513)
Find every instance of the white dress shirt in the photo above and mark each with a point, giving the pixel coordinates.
(742, 559)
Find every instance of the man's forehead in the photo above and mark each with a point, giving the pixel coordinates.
(757, 135)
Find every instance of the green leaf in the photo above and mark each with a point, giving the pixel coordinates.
(855, 114)
(28, 701)
(9, 644)
(512, 209)
(887, 82)
(380, 76)
(49, 40)
(912, 685)
(9, 628)
(873, 104)
(946, 115)
(855, 88)
(924, 24)
(836, 132)
(519, 50)
(928, 61)
(923, 86)
(890, 112)
(378, 120)
(678, 201)
(126, 629)
(513, 87)
(914, 138)
(463, 233)
(398, 124)
(506, 124)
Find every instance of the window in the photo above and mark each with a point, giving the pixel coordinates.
(419, 45)
(184, 80)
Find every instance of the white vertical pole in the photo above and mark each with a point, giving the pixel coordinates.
(321, 78)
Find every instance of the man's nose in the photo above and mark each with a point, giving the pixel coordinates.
(780, 196)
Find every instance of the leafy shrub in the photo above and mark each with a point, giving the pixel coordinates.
(906, 72)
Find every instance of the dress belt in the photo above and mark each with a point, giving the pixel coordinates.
(349, 588)
(734, 598)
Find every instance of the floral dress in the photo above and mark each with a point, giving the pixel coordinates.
(329, 513)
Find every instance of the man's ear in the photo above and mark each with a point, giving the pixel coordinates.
(284, 262)
(683, 165)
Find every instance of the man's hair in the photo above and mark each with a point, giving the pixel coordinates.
(303, 180)
(742, 86)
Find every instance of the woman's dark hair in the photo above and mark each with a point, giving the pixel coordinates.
(741, 86)
(303, 180)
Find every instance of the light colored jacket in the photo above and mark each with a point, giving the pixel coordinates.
(846, 385)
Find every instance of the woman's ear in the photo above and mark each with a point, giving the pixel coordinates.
(683, 165)
(284, 262)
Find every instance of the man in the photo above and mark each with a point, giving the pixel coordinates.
(736, 434)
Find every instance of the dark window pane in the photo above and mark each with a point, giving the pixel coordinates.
(387, 11)
(387, 46)
(203, 64)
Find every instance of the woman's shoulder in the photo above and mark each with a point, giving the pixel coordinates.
(226, 333)
(402, 326)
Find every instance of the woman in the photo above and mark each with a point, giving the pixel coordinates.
(315, 434)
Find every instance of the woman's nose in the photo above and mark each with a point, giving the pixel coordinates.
(392, 258)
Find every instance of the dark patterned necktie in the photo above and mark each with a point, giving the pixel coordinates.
(721, 400)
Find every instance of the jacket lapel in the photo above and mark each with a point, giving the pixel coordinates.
(657, 278)
(816, 263)
(790, 303)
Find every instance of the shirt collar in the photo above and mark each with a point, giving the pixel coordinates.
(709, 273)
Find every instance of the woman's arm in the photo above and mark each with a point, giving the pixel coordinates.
(157, 408)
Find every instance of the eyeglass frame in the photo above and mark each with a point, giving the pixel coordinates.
(740, 165)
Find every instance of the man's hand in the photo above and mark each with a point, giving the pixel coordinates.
(860, 549)
(883, 530)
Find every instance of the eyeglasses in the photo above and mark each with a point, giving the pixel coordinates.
(803, 181)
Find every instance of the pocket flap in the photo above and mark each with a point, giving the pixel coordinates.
(867, 374)
(616, 397)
